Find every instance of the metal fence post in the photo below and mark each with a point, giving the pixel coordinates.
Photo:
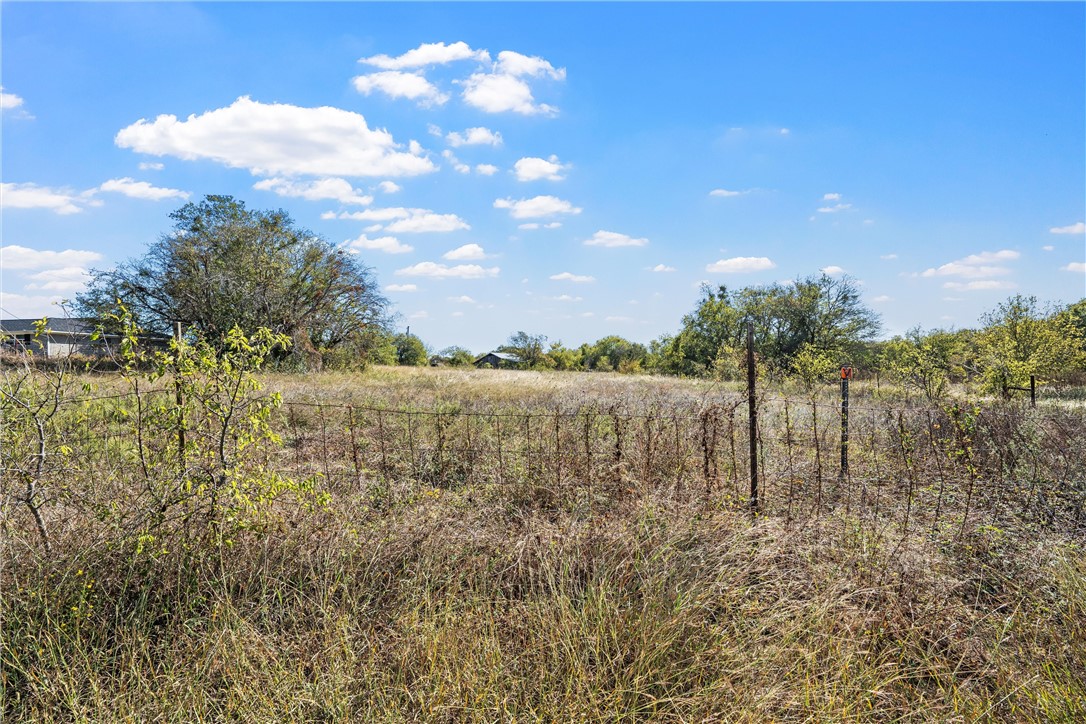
(846, 375)
(752, 408)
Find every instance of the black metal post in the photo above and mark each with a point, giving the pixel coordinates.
(846, 375)
(752, 408)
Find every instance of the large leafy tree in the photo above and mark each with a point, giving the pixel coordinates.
(817, 315)
(1022, 338)
(530, 348)
(224, 265)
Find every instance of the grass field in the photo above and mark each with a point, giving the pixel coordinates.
(500, 546)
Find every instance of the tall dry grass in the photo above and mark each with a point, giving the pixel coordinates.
(484, 601)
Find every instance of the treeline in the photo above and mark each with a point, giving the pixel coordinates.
(805, 331)
(224, 266)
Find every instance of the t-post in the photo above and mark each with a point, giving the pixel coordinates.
(846, 376)
(752, 408)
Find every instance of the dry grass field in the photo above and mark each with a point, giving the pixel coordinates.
(444, 545)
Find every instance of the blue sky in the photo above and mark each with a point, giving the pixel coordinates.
(573, 170)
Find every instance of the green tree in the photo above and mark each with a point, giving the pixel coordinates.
(224, 266)
(614, 353)
(926, 362)
(457, 356)
(564, 358)
(823, 315)
(1022, 338)
(410, 351)
(529, 348)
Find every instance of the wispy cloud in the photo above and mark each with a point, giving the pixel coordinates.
(571, 277)
(398, 84)
(441, 271)
(32, 196)
(478, 136)
(1076, 228)
(536, 207)
(386, 244)
(141, 190)
(741, 265)
(404, 220)
(613, 239)
(984, 264)
(428, 54)
(983, 285)
(14, 256)
(334, 189)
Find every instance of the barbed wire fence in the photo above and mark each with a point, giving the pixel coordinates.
(946, 470)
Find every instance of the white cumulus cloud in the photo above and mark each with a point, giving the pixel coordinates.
(504, 88)
(387, 244)
(486, 169)
(477, 136)
(405, 220)
(32, 196)
(64, 280)
(141, 190)
(427, 222)
(832, 270)
(151, 166)
(441, 271)
(662, 268)
(467, 252)
(276, 138)
(536, 207)
(1077, 228)
(1075, 266)
(613, 239)
(402, 288)
(535, 169)
(984, 264)
(8, 101)
(21, 257)
(389, 187)
(726, 193)
(428, 54)
(397, 84)
(741, 265)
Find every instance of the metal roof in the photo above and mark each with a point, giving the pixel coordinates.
(66, 325)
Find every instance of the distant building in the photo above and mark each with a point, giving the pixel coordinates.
(497, 359)
(62, 336)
